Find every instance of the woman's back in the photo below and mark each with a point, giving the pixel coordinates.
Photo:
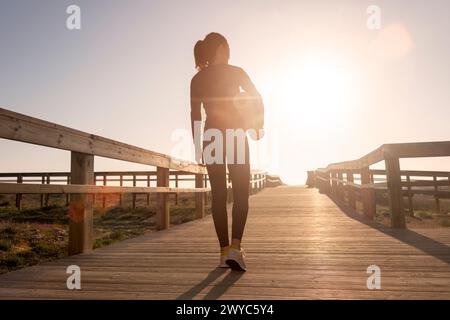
(216, 87)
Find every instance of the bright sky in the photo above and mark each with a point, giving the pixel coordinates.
(333, 89)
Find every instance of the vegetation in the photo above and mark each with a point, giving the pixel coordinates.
(34, 235)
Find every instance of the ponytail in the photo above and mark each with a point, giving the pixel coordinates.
(199, 55)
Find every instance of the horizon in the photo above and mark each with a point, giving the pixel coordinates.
(333, 89)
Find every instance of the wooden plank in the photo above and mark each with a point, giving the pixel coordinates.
(81, 223)
(31, 188)
(365, 161)
(399, 150)
(19, 127)
(414, 173)
(418, 149)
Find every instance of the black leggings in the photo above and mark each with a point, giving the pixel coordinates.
(240, 180)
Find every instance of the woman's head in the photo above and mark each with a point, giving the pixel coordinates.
(213, 49)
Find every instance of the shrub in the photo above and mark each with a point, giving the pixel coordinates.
(445, 222)
(5, 245)
(423, 214)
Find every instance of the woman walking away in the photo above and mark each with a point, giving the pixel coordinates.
(216, 86)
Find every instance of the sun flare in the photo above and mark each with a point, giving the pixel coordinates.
(316, 89)
(310, 101)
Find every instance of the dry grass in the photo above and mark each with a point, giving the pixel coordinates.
(34, 235)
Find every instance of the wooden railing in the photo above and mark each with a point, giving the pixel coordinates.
(351, 179)
(120, 178)
(81, 183)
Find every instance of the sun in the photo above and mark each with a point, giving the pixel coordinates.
(310, 101)
(316, 90)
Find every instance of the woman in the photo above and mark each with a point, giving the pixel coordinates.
(216, 86)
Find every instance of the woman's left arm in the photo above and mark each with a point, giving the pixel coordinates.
(248, 86)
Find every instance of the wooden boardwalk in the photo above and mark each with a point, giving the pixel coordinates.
(299, 245)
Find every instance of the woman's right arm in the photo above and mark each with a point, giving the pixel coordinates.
(196, 118)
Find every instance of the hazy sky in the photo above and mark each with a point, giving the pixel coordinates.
(334, 90)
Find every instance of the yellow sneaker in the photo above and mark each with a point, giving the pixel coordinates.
(223, 258)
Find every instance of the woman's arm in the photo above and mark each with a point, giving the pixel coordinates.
(248, 86)
(196, 118)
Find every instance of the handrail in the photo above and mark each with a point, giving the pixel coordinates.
(19, 127)
(396, 150)
(330, 179)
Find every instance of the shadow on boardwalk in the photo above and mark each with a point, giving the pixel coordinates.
(219, 288)
(427, 245)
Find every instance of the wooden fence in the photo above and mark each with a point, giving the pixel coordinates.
(81, 182)
(352, 180)
(120, 178)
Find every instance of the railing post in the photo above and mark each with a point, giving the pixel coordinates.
(328, 183)
(42, 195)
(104, 195)
(324, 182)
(120, 184)
(351, 191)
(80, 206)
(394, 185)
(436, 197)
(94, 195)
(162, 205)
(199, 197)
(410, 202)
(311, 180)
(205, 183)
(333, 183)
(68, 195)
(47, 195)
(176, 186)
(134, 194)
(367, 195)
(340, 186)
(148, 194)
(19, 195)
